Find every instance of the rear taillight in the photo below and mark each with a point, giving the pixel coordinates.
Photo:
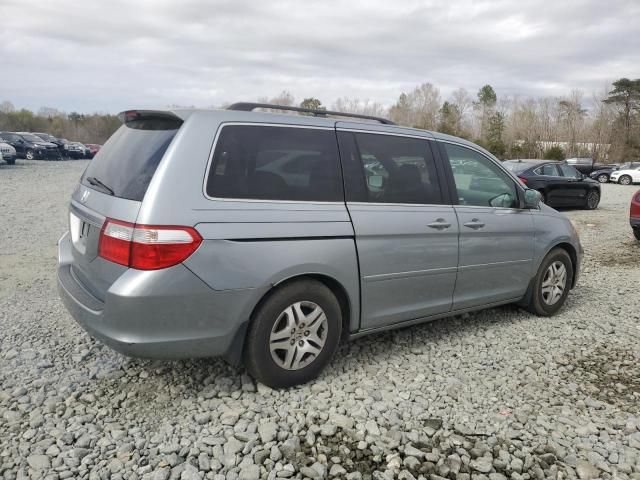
(523, 180)
(146, 247)
(636, 198)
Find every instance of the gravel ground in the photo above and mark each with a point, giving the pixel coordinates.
(497, 394)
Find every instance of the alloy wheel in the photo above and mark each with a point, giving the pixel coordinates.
(625, 180)
(603, 178)
(298, 335)
(554, 283)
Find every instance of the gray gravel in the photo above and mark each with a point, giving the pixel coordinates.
(498, 394)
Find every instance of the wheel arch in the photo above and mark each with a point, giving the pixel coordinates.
(235, 353)
(338, 290)
(573, 254)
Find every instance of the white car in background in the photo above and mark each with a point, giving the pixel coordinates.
(7, 153)
(626, 176)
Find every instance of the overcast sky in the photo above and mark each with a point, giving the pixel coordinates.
(110, 55)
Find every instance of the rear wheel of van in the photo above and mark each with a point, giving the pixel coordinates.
(551, 284)
(293, 334)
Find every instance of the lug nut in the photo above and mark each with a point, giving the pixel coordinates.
(306, 333)
(293, 341)
(301, 343)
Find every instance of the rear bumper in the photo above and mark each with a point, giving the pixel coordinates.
(163, 314)
(634, 222)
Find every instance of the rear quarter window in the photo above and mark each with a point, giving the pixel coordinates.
(127, 162)
(275, 163)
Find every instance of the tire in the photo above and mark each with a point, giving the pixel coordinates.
(636, 233)
(548, 303)
(278, 320)
(29, 155)
(592, 201)
(624, 180)
(603, 178)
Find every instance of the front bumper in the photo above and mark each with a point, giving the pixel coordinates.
(163, 314)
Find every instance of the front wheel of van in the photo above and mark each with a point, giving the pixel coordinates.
(551, 284)
(293, 334)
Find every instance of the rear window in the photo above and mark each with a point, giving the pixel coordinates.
(127, 161)
(275, 163)
(517, 167)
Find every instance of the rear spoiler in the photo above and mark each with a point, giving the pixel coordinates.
(130, 115)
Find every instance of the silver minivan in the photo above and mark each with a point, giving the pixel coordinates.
(268, 238)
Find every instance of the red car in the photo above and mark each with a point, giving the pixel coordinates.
(634, 214)
(93, 148)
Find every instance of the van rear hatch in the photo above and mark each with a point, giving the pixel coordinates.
(113, 186)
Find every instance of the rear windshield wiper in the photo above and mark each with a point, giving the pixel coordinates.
(97, 183)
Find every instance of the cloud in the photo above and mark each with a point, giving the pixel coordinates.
(109, 56)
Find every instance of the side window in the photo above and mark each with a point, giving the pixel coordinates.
(480, 182)
(568, 171)
(275, 163)
(550, 170)
(395, 169)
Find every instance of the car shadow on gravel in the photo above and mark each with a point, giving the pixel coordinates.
(4, 166)
(607, 372)
(626, 255)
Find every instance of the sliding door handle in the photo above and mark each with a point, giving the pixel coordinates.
(439, 224)
(474, 223)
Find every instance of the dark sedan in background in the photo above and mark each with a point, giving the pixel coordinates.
(560, 184)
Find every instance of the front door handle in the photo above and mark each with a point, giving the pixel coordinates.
(475, 224)
(439, 224)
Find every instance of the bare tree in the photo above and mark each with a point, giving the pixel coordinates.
(362, 107)
(7, 107)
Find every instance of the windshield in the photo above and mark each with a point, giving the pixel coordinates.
(32, 138)
(127, 161)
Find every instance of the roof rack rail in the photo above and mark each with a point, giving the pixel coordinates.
(248, 107)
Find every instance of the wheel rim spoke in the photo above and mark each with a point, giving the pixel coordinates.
(298, 335)
(554, 283)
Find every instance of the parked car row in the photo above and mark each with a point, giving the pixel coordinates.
(42, 146)
(603, 174)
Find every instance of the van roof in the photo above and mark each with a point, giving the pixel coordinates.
(294, 119)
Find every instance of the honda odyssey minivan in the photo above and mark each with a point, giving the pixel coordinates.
(268, 238)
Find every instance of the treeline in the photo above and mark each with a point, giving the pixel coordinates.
(605, 125)
(93, 128)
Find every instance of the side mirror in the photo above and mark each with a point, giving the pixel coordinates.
(532, 198)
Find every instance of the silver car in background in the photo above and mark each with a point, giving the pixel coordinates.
(267, 238)
(7, 153)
